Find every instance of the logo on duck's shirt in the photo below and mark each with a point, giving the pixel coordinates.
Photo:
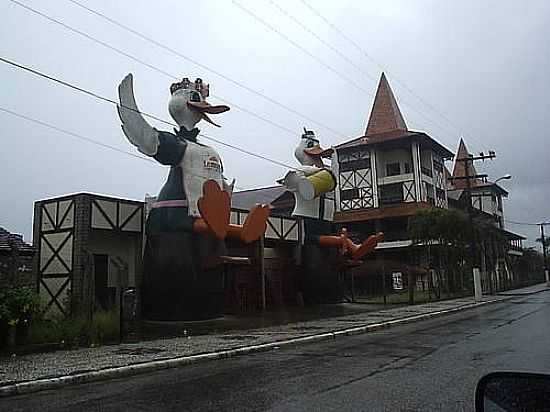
(213, 163)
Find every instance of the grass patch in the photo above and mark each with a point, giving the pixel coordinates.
(72, 332)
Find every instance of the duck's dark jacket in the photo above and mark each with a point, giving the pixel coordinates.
(182, 273)
(171, 150)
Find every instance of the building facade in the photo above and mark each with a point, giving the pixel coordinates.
(388, 174)
(88, 247)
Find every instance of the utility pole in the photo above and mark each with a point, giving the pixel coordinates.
(468, 164)
(543, 239)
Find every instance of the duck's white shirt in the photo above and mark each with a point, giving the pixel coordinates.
(199, 164)
(321, 207)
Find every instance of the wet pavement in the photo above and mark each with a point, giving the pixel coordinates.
(279, 317)
(431, 365)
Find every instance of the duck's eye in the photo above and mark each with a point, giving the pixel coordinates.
(195, 97)
(311, 143)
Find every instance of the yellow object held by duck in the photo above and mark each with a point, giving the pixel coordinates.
(316, 184)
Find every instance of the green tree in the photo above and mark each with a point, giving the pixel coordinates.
(446, 232)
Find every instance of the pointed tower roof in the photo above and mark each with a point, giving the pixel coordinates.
(385, 115)
(459, 169)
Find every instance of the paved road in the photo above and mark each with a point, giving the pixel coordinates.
(429, 365)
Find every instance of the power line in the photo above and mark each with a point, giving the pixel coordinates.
(322, 63)
(299, 47)
(94, 141)
(369, 57)
(526, 223)
(142, 62)
(197, 63)
(321, 40)
(75, 135)
(108, 100)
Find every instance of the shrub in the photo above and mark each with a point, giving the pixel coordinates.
(105, 327)
(18, 305)
(72, 332)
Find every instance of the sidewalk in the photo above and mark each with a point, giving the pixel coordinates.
(525, 291)
(29, 373)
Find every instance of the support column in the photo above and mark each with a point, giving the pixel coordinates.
(374, 178)
(477, 285)
(415, 151)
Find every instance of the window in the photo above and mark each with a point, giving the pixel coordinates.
(390, 194)
(407, 167)
(430, 194)
(349, 194)
(393, 169)
(429, 190)
(355, 165)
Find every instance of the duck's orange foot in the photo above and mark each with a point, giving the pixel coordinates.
(215, 207)
(367, 246)
(255, 224)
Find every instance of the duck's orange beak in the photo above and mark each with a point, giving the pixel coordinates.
(205, 107)
(318, 151)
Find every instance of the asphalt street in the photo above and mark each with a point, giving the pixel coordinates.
(431, 365)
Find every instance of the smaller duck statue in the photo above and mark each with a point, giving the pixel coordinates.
(313, 183)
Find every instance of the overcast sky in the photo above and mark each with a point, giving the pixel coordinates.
(483, 65)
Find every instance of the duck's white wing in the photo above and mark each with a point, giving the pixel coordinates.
(140, 133)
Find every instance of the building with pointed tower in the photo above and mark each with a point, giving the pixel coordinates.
(388, 174)
(499, 249)
(486, 196)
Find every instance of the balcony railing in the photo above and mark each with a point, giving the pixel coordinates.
(390, 200)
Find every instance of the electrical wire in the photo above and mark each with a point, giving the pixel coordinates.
(380, 66)
(144, 63)
(99, 143)
(526, 223)
(324, 64)
(108, 100)
(301, 48)
(196, 63)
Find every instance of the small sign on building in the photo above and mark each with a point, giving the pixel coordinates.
(397, 280)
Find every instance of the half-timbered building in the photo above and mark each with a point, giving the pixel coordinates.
(500, 248)
(88, 248)
(387, 174)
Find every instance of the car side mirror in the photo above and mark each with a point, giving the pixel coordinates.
(513, 391)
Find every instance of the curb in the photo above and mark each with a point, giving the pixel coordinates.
(135, 369)
(523, 294)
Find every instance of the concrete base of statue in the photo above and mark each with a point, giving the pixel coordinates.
(322, 281)
(183, 278)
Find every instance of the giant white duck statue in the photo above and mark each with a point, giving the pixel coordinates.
(325, 254)
(187, 225)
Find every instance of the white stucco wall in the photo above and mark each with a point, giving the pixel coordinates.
(122, 245)
(392, 156)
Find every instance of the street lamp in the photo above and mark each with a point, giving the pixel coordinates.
(507, 176)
